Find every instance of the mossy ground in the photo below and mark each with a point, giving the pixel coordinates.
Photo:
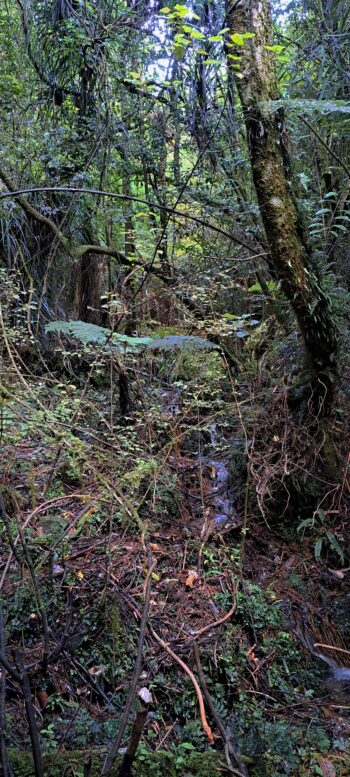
(161, 764)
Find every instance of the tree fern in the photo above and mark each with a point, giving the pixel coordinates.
(91, 333)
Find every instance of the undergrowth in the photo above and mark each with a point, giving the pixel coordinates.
(92, 487)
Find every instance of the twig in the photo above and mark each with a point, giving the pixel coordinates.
(13, 192)
(218, 622)
(325, 145)
(6, 519)
(3, 753)
(56, 652)
(230, 750)
(86, 677)
(33, 731)
(37, 510)
(332, 647)
(87, 765)
(190, 674)
(38, 597)
(110, 757)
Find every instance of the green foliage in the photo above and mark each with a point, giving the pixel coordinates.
(142, 102)
(323, 107)
(258, 606)
(91, 333)
(325, 539)
(183, 760)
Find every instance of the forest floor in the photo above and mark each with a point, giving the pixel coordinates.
(91, 499)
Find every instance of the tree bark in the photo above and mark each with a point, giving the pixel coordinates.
(267, 143)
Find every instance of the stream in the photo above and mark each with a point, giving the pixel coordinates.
(221, 498)
(222, 492)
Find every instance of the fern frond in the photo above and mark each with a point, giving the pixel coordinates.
(91, 333)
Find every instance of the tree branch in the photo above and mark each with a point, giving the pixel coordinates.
(101, 193)
(325, 145)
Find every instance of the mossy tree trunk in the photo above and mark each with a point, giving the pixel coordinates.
(267, 143)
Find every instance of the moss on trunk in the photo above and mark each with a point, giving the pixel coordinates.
(290, 252)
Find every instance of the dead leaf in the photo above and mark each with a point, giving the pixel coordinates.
(338, 574)
(94, 671)
(57, 569)
(327, 767)
(42, 698)
(145, 696)
(191, 578)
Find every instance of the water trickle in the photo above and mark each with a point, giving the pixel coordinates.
(222, 497)
(171, 401)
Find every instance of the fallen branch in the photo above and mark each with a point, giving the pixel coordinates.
(33, 730)
(145, 698)
(218, 622)
(230, 751)
(3, 752)
(190, 674)
(111, 756)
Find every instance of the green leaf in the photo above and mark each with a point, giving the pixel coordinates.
(182, 10)
(165, 10)
(179, 52)
(196, 35)
(335, 545)
(304, 524)
(276, 48)
(318, 548)
(237, 38)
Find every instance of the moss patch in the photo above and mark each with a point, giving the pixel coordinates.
(160, 764)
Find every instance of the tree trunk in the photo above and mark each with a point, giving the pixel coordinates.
(291, 254)
(87, 276)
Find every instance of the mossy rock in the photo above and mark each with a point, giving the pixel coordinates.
(160, 764)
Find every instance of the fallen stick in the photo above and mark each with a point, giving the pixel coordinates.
(190, 674)
(145, 698)
(218, 622)
(332, 647)
(111, 756)
(230, 751)
(37, 510)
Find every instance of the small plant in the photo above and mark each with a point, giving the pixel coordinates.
(325, 538)
(48, 736)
